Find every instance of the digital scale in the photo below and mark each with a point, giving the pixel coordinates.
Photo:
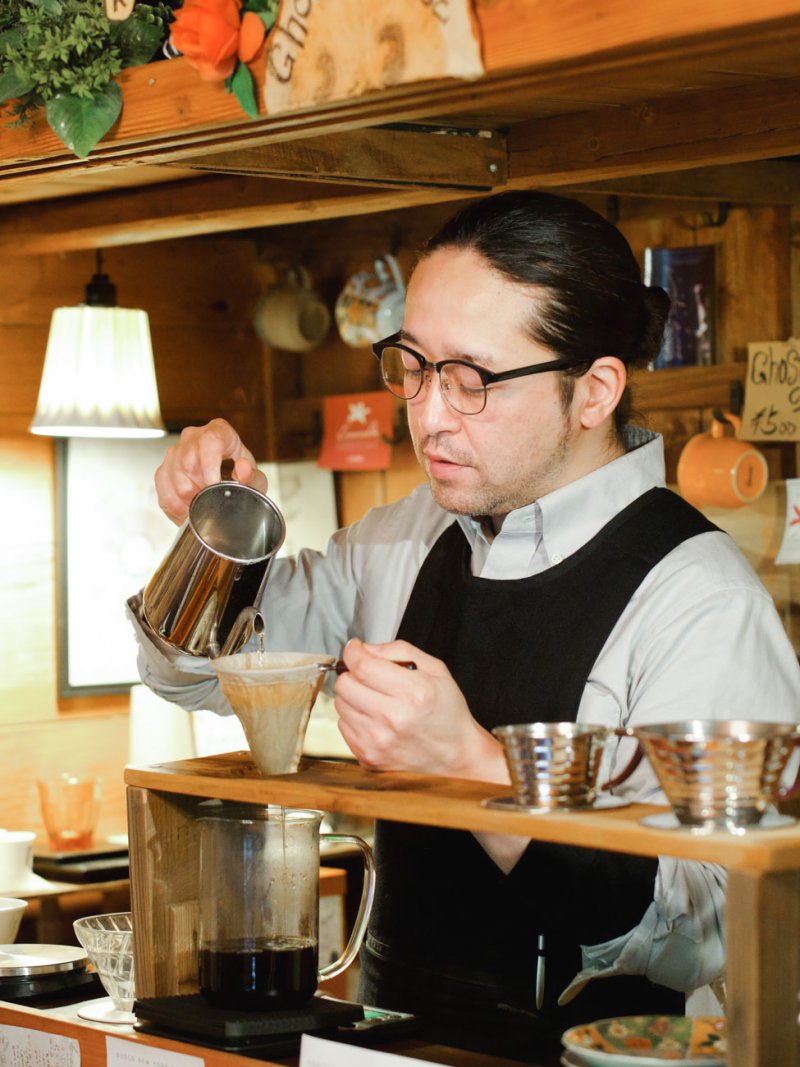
(275, 1032)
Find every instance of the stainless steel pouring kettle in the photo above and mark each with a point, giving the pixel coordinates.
(204, 596)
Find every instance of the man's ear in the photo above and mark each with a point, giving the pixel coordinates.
(601, 390)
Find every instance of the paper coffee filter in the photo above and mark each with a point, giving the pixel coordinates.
(272, 695)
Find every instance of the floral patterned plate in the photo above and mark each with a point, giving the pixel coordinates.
(649, 1041)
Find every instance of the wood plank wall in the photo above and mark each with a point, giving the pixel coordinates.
(201, 295)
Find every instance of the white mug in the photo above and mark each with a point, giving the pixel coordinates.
(16, 860)
(371, 305)
(292, 315)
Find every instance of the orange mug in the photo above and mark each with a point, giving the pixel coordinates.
(715, 470)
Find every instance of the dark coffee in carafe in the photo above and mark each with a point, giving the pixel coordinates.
(277, 974)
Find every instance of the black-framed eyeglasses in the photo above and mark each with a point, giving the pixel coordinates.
(463, 384)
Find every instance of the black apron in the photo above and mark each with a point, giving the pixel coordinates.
(452, 938)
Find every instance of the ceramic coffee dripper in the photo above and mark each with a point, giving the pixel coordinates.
(371, 305)
(719, 775)
(259, 906)
(272, 694)
(716, 469)
(292, 315)
(203, 598)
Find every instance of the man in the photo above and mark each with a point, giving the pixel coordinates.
(543, 574)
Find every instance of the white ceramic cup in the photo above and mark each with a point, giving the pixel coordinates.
(16, 860)
(371, 305)
(292, 316)
(11, 912)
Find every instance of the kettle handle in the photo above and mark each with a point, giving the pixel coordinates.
(364, 906)
(633, 763)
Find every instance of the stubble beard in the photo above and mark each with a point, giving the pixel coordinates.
(488, 499)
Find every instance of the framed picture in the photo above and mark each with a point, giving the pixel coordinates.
(111, 537)
(688, 276)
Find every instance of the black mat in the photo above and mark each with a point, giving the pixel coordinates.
(193, 1016)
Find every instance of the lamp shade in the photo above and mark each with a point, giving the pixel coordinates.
(98, 378)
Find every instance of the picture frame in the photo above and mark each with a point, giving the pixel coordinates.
(111, 536)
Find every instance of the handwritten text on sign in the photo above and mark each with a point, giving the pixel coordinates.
(326, 50)
(772, 392)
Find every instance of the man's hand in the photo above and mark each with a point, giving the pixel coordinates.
(194, 463)
(397, 719)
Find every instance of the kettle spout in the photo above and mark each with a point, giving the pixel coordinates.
(249, 621)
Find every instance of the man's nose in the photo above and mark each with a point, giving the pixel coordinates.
(433, 412)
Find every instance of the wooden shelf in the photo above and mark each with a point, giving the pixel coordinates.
(456, 804)
(597, 91)
(762, 911)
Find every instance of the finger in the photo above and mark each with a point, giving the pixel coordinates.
(175, 491)
(246, 472)
(403, 652)
(218, 441)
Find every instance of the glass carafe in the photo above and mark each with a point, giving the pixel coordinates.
(259, 906)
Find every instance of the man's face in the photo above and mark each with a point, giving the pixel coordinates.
(521, 445)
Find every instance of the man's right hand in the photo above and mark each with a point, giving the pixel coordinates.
(195, 462)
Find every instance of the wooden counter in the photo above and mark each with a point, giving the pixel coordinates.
(92, 1043)
(763, 911)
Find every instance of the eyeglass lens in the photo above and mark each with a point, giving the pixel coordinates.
(461, 384)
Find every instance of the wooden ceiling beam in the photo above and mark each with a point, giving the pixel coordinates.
(396, 156)
(188, 209)
(769, 183)
(748, 122)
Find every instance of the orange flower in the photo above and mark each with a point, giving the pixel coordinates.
(251, 36)
(206, 32)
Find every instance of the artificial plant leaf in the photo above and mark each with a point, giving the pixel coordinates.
(137, 40)
(267, 10)
(11, 38)
(81, 123)
(12, 86)
(52, 7)
(243, 88)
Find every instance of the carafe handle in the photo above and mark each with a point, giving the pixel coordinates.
(364, 906)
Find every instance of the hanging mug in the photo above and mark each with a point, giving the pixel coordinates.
(371, 305)
(720, 471)
(292, 315)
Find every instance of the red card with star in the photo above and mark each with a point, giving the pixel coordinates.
(356, 431)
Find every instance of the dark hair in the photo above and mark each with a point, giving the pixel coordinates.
(594, 304)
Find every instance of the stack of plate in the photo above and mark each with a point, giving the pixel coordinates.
(647, 1041)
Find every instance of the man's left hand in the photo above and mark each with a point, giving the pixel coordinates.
(398, 719)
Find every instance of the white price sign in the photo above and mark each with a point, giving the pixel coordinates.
(122, 1053)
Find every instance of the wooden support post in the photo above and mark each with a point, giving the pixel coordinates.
(763, 975)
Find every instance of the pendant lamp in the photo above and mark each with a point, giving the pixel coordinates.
(98, 378)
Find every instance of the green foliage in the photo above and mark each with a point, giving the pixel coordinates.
(241, 85)
(80, 122)
(63, 55)
(267, 10)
